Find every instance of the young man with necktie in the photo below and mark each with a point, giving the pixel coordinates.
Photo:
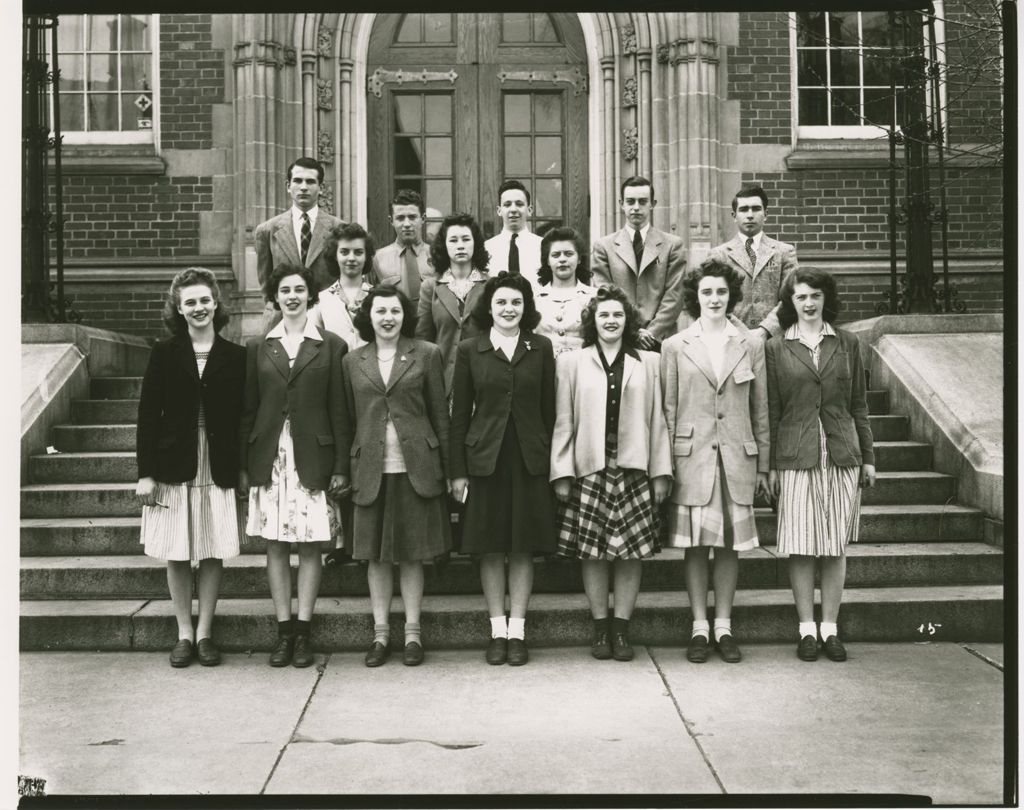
(515, 249)
(405, 263)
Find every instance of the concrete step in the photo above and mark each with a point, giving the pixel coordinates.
(77, 536)
(104, 411)
(120, 387)
(936, 613)
(888, 428)
(905, 456)
(878, 401)
(83, 468)
(79, 500)
(919, 487)
(868, 565)
(94, 438)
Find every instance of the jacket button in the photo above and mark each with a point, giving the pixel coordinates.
(714, 446)
(721, 416)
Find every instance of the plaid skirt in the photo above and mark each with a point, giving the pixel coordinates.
(720, 523)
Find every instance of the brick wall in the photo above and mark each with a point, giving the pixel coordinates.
(759, 77)
(860, 294)
(191, 79)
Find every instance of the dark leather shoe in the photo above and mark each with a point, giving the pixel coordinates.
(412, 656)
(728, 649)
(834, 649)
(497, 651)
(697, 650)
(601, 648)
(517, 654)
(181, 654)
(207, 652)
(377, 654)
(621, 649)
(337, 557)
(302, 655)
(807, 649)
(281, 655)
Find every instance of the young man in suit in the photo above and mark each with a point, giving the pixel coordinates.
(297, 236)
(515, 249)
(405, 263)
(764, 262)
(645, 262)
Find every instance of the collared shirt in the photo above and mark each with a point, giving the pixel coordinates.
(757, 237)
(506, 344)
(561, 313)
(715, 344)
(292, 344)
(643, 232)
(297, 223)
(460, 287)
(812, 345)
(391, 261)
(529, 254)
(613, 401)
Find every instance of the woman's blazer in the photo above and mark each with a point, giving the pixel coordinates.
(799, 394)
(167, 435)
(311, 394)
(577, 447)
(438, 321)
(414, 397)
(489, 390)
(706, 417)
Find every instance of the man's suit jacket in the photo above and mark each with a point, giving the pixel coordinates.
(167, 433)
(577, 446)
(762, 282)
(275, 245)
(311, 394)
(490, 390)
(799, 395)
(656, 287)
(707, 417)
(390, 266)
(414, 398)
(438, 321)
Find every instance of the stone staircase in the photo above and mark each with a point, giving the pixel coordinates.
(920, 571)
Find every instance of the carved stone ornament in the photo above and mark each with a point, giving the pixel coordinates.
(630, 143)
(324, 41)
(376, 81)
(325, 146)
(663, 53)
(628, 38)
(324, 94)
(629, 92)
(576, 77)
(326, 198)
(289, 55)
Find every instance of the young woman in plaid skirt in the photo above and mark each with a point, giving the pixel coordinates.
(716, 405)
(610, 462)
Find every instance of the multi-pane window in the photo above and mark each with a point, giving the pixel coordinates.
(533, 126)
(424, 149)
(844, 67)
(522, 27)
(107, 75)
(426, 29)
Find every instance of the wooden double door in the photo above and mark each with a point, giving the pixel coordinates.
(458, 103)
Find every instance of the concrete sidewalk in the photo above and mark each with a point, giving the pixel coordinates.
(922, 719)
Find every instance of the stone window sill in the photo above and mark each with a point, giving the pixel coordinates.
(857, 154)
(110, 160)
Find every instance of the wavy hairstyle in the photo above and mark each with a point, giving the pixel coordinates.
(281, 271)
(344, 232)
(545, 275)
(512, 281)
(190, 276)
(631, 331)
(711, 267)
(364, 325)
(819, 280)
(439, 251)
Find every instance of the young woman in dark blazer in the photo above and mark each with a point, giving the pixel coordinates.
(503, 412)
(395, 450)
(821, 448)
(187, 448)
(291, 431)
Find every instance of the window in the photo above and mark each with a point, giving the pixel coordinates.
(108, 78)
(425, 29)
(528, 27)
(533, 129)
(423, 157)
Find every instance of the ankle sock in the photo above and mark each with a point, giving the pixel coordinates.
(808, 629)
(620, 626)
(701, 627)
(499, 627)
(285, 629)
(828, 629)
(723, 627)
(600, 626)
(382, 633)
(412, 632)
(517, 628)
(302, 628)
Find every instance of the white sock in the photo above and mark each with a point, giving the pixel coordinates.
(517, 628)
(808, 629)
(499, 627)
(723, 627)
(701, 627)
(828, 629)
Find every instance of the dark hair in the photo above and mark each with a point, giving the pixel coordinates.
(513, 185)
(439, 252)
(819, 280)
(347, 231)
(274, 281)
(545, 275)
(407, 196)
(306, 163)
(750, 191)
(631, 332)
(362, 321)
(635, 180)
(711, 267)
(513, 281)
(174, 320)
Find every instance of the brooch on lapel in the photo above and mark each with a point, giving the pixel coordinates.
(526, 343)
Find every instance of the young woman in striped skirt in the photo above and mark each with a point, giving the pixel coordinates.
(821, 448)
(610, 462)
(716, 406)
(187, 448)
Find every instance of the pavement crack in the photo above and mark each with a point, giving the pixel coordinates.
(978, 654)
(131, 623)
(688, 725)
(388, 741)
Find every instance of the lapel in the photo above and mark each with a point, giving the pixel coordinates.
(308, 350)
(764, 254)
(737, 250)
(450, 302)
(218, 355)
(828, 348)
(734, 351)
(275, 352)
(652, 247)
(799, 351)
(370, 369)
(624, 249)
(694, 348)
(629, 364)
(521, 347)
(285, 238)
(404, 360)
(186, 357)
(316, 241)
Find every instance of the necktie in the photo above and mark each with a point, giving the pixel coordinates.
(513, 255)
(412, 274)
(307, 235)
(750, 253)
(638, 249)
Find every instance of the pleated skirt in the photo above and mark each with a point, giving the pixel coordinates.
(720, 523)
(400, 525)
(819, 508)
(198, 519)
